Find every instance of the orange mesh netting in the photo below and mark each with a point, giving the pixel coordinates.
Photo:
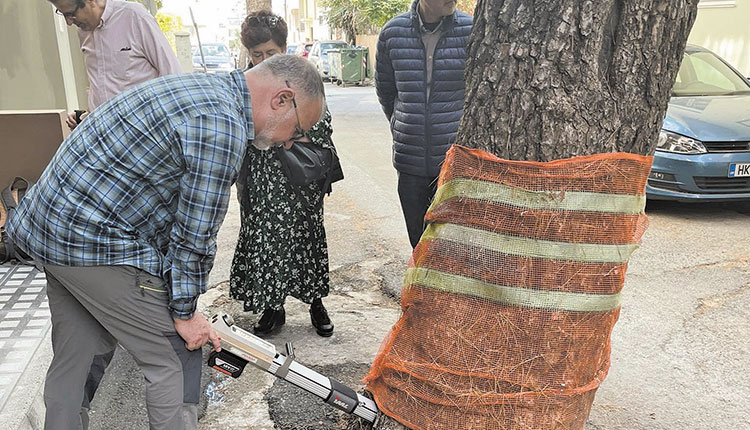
(512, 293)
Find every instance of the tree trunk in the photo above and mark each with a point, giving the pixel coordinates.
(253, 5)
(351, 35)
(551, 79)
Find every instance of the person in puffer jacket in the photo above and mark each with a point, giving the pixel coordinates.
(419, 80)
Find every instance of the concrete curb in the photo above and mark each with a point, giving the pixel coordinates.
(25, 407)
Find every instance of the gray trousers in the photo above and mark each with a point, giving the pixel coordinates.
(94, 308)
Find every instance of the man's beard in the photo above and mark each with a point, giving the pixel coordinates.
(262, 142)
(263, 139)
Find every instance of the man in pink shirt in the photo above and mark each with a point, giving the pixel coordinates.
(122, 46)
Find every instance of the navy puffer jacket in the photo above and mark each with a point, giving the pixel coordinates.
(422, 130)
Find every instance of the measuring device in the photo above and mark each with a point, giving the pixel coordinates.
(239, 347)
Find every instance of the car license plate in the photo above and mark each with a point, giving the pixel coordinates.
(739, 169)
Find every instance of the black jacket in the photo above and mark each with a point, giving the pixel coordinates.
(423, 130)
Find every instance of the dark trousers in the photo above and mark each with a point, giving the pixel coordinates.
(92, 309)
(415, 193)
(96, 373)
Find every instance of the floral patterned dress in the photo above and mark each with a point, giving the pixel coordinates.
(282, 249)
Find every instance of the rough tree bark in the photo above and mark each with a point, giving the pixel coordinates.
(252, 5)
(351, 34)
(552, 79)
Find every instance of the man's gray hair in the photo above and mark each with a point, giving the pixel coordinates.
(300, 73)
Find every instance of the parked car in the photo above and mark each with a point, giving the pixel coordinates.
(303, 49)
(319, 55)
(703, 151)
(218, 58)
(291, 49)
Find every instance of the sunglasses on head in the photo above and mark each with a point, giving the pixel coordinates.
(268, 20)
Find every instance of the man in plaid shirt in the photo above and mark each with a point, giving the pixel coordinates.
(125, 217)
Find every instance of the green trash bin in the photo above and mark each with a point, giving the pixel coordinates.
(353, 65)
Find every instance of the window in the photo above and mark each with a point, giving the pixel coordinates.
(325, 47)
(704, 74)
(210, 50)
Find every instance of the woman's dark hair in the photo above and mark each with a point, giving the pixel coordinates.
(262, 26)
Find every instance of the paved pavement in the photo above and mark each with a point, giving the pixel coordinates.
(24, 344)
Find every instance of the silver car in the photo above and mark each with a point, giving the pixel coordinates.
(319, 55)
(217, 56)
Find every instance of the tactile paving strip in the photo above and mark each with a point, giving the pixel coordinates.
(24, 321)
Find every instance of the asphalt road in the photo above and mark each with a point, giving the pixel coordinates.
(679, 351)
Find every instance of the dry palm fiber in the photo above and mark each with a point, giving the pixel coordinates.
(512, 293)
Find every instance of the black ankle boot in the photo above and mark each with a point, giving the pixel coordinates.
(271, 320)
(320, 320)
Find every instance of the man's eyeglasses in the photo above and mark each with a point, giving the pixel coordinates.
(67, 15)
(298, 132)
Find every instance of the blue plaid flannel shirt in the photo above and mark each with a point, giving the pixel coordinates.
(144, 181)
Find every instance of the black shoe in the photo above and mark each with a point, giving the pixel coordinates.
(271, 320)
(319, 317)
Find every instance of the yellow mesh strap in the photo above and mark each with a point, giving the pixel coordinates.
(563, 251)
(571, 200)
(516, 296)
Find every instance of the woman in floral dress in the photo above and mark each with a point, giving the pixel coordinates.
(282, 248)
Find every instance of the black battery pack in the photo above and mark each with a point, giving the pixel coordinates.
(342, 397)
(226, 362)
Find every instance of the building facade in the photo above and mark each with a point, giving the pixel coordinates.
(722, 26)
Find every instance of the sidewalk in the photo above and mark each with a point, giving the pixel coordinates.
(25, 347)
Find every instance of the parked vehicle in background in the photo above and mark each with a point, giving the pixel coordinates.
(703, 152)
(218, 58)
(303, 49)
(319, 55)
(291, 49)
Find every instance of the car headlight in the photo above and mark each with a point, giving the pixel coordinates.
(673, 142)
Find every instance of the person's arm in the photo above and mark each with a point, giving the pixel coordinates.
(75, 118)
(156, 48)
(71, 121)
(212, 147)
(385, 79)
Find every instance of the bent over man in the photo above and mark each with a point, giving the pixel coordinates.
(125, 217)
